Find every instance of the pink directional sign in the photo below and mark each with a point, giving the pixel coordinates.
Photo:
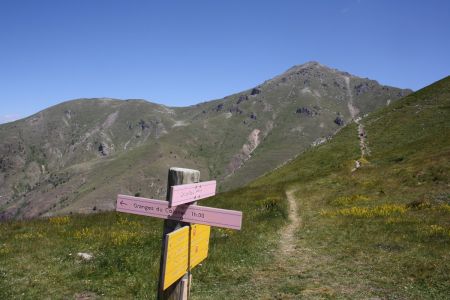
(186, 213)
(186, 193)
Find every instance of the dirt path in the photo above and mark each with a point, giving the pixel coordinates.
(362, 139)
(286, 262)
(354, 111)
(287, 241)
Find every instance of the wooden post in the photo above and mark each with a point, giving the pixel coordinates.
(178, 290)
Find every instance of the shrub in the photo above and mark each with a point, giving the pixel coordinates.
(346, 200)
(59, 220)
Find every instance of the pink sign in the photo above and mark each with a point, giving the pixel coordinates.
(185, 213)
(186, 193)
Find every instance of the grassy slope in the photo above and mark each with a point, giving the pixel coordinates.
(383, 230)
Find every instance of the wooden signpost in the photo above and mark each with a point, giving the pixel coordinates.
(185, 240)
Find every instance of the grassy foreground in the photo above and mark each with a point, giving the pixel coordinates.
(39, 257)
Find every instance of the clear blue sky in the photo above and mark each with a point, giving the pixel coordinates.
(183, 52)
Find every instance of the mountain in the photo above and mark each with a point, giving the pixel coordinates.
(315, 228)
(76, 156)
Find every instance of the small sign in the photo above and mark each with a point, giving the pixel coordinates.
(185, 193)
(199, 243)
(185, 213)
(179, 255)
(176, 256)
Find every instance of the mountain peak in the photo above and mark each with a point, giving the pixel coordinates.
(315, 66)
(309, 64)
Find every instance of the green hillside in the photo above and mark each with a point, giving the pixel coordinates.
(384, 229)
(381, 230)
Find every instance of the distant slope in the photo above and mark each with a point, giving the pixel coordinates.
(49, 158)
(78, 155)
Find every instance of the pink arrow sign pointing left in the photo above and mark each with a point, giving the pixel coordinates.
(186, 213)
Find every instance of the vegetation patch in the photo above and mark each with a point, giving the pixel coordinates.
(347, 200)
(385, 210)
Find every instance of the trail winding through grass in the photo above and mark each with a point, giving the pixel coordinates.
(268, 281)
(287, 241)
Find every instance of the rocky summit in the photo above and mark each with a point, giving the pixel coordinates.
(78, 155)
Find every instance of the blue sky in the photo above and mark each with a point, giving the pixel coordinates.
(183, 52)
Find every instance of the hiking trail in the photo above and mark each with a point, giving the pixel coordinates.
(354, 111)
(287, 241)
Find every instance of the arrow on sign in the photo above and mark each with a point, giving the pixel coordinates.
(186, 213)
(123, 203)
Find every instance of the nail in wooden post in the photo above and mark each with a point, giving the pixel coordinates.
(177, 290)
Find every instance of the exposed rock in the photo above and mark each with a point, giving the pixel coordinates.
(306, 111)
(110, 120)
(238, 160)
(143, 124)
(85, 256)
(319, 141)
(242, 98)
(362, 88)
(68, 113)
(339, 121)
(255, 91)
(103, 149)
(219, 107)
(337, 84)
(357, 165)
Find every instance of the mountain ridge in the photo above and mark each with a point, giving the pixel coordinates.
(54, 154)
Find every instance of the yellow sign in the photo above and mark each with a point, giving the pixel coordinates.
(178, 255)
(199, 243)
(175, 256)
